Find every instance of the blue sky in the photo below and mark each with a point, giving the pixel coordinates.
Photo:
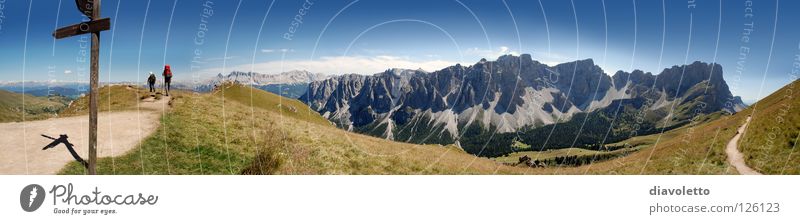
(368, 36)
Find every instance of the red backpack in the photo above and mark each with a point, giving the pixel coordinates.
(167, 72)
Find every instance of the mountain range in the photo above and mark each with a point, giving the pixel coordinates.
(289, 84)
(488, 106)
(46, 88)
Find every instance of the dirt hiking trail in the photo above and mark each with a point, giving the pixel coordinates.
(118, 132)
(735, 157)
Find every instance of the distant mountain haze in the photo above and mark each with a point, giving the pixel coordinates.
(291, 84)
(47, 88)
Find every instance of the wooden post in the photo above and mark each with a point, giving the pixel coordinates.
(93, 83)
(91, 9)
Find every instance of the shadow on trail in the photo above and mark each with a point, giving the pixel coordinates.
(63, 139)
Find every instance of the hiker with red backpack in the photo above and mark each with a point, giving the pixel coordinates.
(167, 78)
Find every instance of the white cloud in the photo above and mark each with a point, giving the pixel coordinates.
(550, 59)
(276, 50)
(490, 54)
(340, 65)
(368, 65)
(67, 72)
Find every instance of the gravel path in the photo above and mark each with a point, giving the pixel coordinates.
(735, 157)
(118, 132)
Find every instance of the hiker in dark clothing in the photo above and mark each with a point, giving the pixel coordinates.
(151, 81)
(167, 78)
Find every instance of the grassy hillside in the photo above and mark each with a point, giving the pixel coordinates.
(268, 101)
(35, 108)
(111, 98)
(692, 149)
(201, 135)
(770, 141)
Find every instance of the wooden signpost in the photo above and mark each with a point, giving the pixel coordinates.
(90, 8)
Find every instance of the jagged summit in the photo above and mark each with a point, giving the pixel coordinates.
(509, 94)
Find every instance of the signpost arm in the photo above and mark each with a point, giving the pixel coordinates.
(94, 82)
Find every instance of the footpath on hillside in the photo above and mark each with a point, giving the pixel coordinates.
(118, 132)
(735, 157)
